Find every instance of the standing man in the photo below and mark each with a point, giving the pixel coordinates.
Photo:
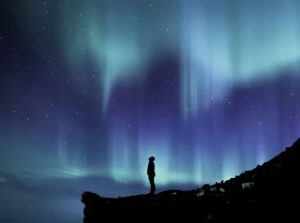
(151, 173)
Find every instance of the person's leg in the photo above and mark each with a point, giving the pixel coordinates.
(152, 184)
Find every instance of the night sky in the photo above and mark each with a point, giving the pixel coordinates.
(90, 89)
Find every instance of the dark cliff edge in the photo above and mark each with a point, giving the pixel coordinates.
(269, 192)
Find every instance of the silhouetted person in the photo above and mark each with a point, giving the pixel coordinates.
(151, 174)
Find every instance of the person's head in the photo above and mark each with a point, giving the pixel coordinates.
(151, 158)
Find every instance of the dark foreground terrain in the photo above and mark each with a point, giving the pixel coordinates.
(269, 192)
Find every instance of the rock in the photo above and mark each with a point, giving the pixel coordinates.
(266, 193)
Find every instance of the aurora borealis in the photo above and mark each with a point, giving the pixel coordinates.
(90, 89)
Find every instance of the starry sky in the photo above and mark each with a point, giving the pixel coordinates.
(90, 89)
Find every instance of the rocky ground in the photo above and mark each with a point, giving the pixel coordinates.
(269, 192)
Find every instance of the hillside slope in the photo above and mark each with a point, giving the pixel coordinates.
(267, 192)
